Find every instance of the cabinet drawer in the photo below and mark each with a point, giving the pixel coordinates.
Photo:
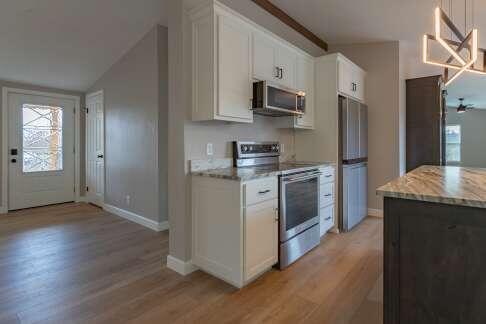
(327, 175)
(326, 219)
(326, 195)
(261, 190)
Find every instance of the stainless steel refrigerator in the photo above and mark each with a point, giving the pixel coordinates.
(353, 165)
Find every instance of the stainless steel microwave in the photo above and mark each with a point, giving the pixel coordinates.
(273, 100)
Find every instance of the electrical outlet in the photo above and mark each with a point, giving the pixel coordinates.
(127, 200)
(209, 149)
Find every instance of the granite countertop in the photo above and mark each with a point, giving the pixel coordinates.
(250, 173)
(448, 185)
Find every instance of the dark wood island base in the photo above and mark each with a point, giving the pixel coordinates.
(435, 263)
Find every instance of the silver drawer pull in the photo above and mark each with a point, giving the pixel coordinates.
(327, 218)
(327, 195)
(264, 192)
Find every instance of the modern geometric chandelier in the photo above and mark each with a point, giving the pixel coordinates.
(456, 61)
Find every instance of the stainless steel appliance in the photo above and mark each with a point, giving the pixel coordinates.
(353, 163)
(298, 197)
(273, 100)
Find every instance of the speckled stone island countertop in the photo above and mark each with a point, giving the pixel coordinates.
(250, 173)
(448, 185)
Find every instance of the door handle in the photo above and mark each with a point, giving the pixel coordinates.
(100, 156)
(264, 192)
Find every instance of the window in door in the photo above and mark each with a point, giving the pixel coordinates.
(41, 138)
(453, 143)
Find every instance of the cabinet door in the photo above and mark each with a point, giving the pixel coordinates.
(261, 238)
(264, 58)
(359, 81)
(305, 82)
(287, 62)
(234, 70)
(363, 191)
(327, 219)
(345, 78)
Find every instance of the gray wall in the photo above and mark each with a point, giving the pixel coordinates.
(9, 84)
(473, 135)
(132, 92)
(386, 105)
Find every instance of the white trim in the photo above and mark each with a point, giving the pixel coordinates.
(181, 267)
(89, 95)
(77, 138)
(375, 212)
(153, 225)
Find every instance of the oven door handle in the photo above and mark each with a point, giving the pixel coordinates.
(307, 177)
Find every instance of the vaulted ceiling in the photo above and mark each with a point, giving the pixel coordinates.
(69, 44)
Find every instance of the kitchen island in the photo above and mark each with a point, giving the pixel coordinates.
(435, 246)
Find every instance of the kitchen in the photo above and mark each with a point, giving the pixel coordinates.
(264, 207)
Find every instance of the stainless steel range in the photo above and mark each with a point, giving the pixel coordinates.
(298, 197)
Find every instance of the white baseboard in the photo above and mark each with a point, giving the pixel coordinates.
(156, 226)
(375, 212)
(179, 266)
(3, 210)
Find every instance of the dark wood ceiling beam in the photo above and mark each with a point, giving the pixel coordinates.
(291, 22)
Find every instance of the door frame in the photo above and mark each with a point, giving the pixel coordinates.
(6, 91)
(93, 94)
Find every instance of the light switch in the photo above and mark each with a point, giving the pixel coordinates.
(209, 149)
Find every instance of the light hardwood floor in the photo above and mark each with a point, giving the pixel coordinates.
(75, 263)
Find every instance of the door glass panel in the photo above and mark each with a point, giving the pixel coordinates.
(41, 138)
(301, 202)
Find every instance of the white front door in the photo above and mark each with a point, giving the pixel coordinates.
(95, 149)
(41, 150)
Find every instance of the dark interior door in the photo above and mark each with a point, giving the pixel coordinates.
(425, 122)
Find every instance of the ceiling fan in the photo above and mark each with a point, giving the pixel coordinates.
(462, 108)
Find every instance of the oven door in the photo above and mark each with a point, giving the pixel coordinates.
(299, 203)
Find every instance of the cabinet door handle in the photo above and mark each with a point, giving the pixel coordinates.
(327, 195)
(281, 73)
(328, 176)
(263, 192)
(328, 218)
(277, 69)
(251, 104)
(276, 215)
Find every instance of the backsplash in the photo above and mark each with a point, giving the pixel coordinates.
(221, 135)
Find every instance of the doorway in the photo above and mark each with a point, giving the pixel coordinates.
(40, 156)
(95, 148)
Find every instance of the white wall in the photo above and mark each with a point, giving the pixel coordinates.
(134, 106)
(385, 108)
(473, 135)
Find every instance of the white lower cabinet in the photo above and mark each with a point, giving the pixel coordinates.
(261, 238)
(327, 200)
(234, 227)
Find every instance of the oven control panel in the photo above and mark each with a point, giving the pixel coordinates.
(254, 149)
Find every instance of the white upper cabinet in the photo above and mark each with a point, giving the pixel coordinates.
(230, 52)
(351, 79)
(265, 58)
(234, 70)
(273, 61)
(305, 82)
(286, 62)
(222, 65)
